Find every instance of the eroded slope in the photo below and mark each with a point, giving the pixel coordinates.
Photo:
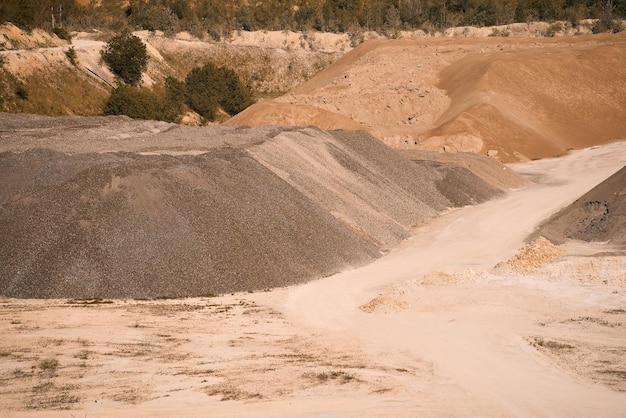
(524, 98)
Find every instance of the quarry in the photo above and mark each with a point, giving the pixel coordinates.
(444, 236)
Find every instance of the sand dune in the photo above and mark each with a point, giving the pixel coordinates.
(524, 98)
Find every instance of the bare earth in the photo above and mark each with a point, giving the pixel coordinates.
(524, 98)
(431, 329)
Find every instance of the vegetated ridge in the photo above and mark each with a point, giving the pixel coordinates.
(181, 211)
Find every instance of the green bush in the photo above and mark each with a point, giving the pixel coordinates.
(210, 87)
(174, 91)
(127, 57)
(140, 103)
(133, 102)
(206, 90)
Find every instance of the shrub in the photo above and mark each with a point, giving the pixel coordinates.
(206, 90)
(553, 30)
(140, 103)
(209, 87)
(71, 55)
(608, 21)
(62, 33)
(21, 92)
(133, 102)
(127, 57)
(174, 91)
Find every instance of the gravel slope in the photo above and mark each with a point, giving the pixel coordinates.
(118, 208)
(597, 216)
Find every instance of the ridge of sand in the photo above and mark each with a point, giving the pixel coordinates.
(524, 98)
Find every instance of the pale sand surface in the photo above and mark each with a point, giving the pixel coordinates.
(443, 334)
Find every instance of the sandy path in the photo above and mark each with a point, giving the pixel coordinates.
(461, 340)
(474, 344)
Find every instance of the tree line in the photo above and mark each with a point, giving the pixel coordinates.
(221, 17)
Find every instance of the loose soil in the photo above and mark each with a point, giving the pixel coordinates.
(517, 98)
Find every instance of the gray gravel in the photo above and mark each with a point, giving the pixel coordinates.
(115, 208)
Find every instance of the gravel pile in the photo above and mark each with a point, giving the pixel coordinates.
(597, 216)
(114, 208)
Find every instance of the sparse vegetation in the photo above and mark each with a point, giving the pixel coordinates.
(609, 21)
(64, 91)
(217, 18)
(62, 33)
(21, 92)
(335, 376)
(71, 56)
(49, 366)
(549, 344)
(554, 29)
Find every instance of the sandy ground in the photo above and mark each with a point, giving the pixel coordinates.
(428, 330)
(520, 98)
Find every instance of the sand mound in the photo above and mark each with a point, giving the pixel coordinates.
(598, 270)
(524, 98)
(530, 257)
(599, 215)
(384, 304)
(120, 208)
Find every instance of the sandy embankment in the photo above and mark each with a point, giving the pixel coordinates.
(522, 98)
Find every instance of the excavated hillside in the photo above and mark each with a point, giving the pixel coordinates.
(597, 216)
(519, 98)
(111, 207)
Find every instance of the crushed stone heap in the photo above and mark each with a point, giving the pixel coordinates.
(108, 207)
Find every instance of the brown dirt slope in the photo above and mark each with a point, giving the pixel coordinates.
(525, 98)
(120, 208)
(597, 216)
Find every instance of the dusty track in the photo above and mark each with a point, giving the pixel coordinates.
(472, 337)
(445, 336)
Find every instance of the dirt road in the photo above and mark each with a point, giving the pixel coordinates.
(475, 336)
(439, 333)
